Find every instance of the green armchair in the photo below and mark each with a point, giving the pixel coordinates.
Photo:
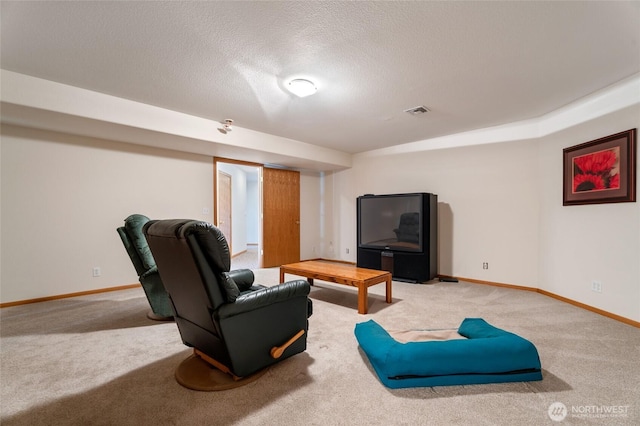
(144, 264)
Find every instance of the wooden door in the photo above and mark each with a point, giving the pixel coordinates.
(281, 217)
(224, 206)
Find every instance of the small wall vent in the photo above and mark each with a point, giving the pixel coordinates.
(417, 110)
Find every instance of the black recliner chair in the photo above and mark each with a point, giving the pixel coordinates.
(145, 266)
(232, 324)
(408, 229)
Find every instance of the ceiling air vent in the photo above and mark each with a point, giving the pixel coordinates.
(417, 110)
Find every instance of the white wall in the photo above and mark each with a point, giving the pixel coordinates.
(580, 244)
(64, 196)
(311, 229)
(501, 203)
(487, 205)
(339, 215)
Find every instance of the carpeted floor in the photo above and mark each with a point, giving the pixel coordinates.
(98, 360)
(247, 259)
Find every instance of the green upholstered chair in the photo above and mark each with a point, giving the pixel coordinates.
(142, 259)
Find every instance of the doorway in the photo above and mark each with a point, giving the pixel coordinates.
(265, 213)
(237, 212)
(225, 216)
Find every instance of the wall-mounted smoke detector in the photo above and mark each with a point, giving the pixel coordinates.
(417, 110)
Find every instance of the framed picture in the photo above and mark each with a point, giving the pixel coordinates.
(601, 171)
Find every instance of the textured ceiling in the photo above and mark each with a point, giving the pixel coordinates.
(473, 64)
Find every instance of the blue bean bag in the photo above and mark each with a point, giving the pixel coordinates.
(483, 354)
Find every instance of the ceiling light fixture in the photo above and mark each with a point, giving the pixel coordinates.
(301, 87)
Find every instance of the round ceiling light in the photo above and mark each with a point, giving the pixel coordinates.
(301, 87)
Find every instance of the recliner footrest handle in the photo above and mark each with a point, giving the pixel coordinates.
(277, 351)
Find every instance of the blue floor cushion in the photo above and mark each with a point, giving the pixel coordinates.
(481, 354)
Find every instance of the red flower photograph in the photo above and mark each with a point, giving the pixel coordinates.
(598, 171)
(601, 171)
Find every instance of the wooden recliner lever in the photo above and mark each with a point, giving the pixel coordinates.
(277, 351)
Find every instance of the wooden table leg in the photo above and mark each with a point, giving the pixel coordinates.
(389, 298)
(362, 298)
(281, 276)
(310, 281)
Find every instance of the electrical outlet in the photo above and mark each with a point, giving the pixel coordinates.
(596, 286)
(347, 251)
(485, 265)
(96, 271)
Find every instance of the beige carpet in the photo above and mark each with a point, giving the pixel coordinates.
(247, 259)
(97, 360)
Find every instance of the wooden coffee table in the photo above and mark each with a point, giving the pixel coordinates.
(341, 273)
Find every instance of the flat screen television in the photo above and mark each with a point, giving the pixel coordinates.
(391, 222)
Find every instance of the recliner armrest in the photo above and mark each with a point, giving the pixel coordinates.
(243, 278)
(153, 270)
(265, 297)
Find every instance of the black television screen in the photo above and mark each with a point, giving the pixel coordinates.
(390, 222)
